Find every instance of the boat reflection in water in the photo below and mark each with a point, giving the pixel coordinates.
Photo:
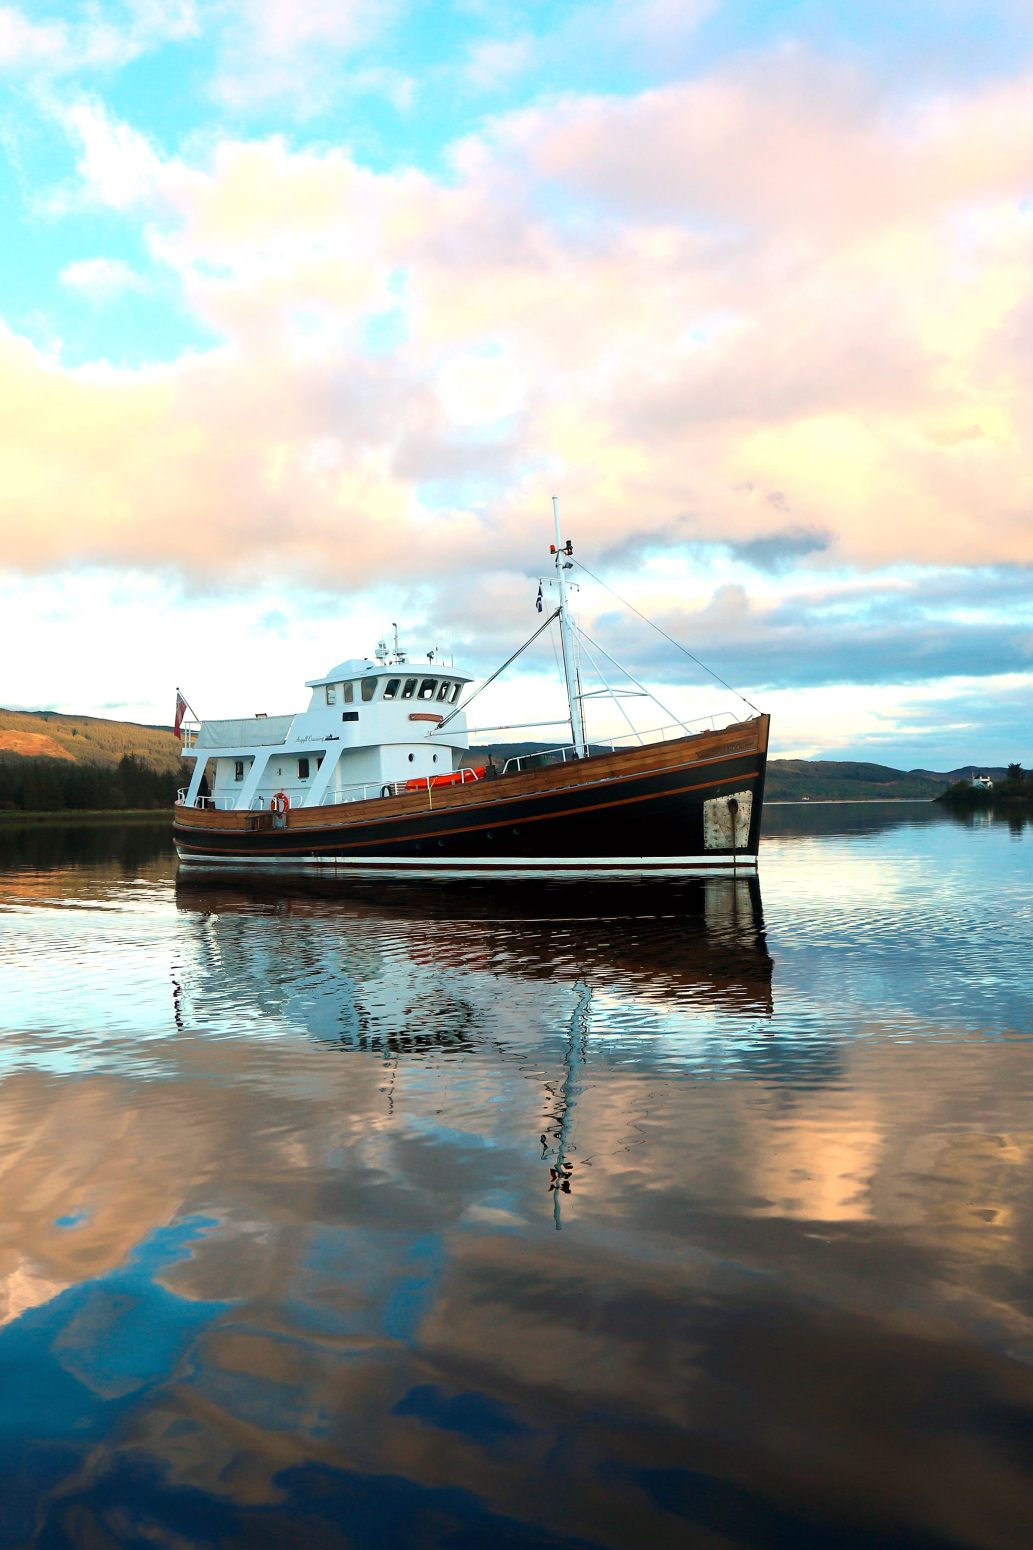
(657, 925)
(325, 945)
(409, 971)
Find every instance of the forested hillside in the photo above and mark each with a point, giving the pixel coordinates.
(52, 763)
(841, 780)
(86, 739)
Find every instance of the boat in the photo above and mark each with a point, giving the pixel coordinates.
(375, 778)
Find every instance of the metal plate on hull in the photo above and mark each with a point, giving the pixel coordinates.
(726, 821)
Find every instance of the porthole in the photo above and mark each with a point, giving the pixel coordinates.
(434, 759)
(412, 756)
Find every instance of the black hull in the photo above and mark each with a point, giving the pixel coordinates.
(644, 823)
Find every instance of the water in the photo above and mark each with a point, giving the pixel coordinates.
(694, 1216)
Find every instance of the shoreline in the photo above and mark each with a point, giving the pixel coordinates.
(92, 817)
(847, 801)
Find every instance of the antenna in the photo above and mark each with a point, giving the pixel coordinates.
(577, 715)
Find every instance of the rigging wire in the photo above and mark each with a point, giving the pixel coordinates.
(583, 643)
(497, 671)
(645, 618)
(666, 709)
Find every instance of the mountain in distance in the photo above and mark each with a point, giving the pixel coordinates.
(47, 734)
(52, 763)
(831, 780)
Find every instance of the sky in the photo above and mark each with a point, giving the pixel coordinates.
(307, 311)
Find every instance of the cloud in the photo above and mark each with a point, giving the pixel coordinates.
(413, 362)
(495, 62)
(101, 278)
(107, 38)
(118, 166)
(778, 550)
(920, 628)
(278, 50)
(25, 43)
(787, 140)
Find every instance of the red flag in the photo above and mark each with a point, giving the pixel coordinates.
(181, 710)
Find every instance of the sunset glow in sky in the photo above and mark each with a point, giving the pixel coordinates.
(307, 310)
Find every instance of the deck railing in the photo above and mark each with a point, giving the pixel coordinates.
(210, 804)
(665, 734)
(363, 791)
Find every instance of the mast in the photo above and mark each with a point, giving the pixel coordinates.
(577, 715)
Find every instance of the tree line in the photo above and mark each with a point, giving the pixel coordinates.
(1017, 785)
(43, 785)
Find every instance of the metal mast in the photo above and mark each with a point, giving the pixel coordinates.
(577, 715)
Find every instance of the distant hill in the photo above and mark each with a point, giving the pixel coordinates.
(86, 739)
(832, 780)
(55, 763)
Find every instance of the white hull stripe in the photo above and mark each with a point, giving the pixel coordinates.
(482, 866)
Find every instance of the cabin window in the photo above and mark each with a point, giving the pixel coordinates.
(349, 715)
(348, 693)
(455, 692)
(391, 688)
(319, 760)
(427, 688)
(369, 688)
(443, 691)
(410, 689)
(238, 769)
(303, 769)
(331, 694)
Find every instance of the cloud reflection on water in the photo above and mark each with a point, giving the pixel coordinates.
(281, 1261)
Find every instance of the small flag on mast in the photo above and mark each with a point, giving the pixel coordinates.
(181, 710)
(538, 601)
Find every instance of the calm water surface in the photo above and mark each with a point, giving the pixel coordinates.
(526, 1218)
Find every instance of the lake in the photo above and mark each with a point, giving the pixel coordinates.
(521, 1217)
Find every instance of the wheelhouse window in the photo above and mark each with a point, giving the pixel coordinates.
(443, 690)
(427, 688)
(348, 693)
(303, 769)
(331, 694)
(409, 689)
(369, 689)
(391, 688)
(455, 692)
(238, 769)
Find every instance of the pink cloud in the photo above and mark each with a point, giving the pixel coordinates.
(674, 309)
